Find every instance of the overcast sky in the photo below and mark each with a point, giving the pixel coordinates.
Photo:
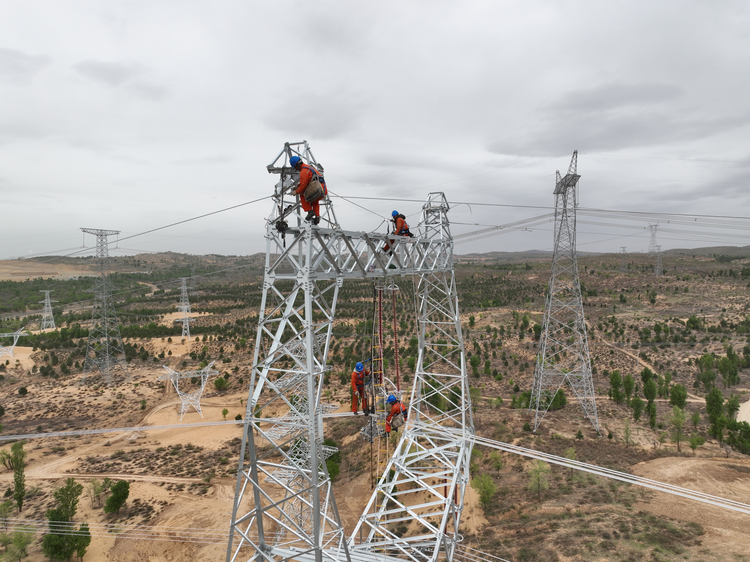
(130, 115)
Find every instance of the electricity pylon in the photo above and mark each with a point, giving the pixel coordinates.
(190, 397)
(104, 350)
(563, 355)
(48, 320)
(658, 270)
(623, 260)
(292, 511)
(184, 307)
(15, 335)
(652, 242)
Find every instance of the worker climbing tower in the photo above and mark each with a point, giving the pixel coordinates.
(284, 507)
(184, 307)
(563, 354)
(104, 350)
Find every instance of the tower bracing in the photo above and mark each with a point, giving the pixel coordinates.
(623, 260)
(104, 351)
(48, 320)
(652, 241)
(563, 354)
(658, 269)
(184, 307)
(15, 335)
(284, 507)
(186, 388)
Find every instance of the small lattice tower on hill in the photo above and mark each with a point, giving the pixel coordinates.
(658, 269)
(184, 307)
(563, 355)
(48, 320)
(623, 260)
(105, 351)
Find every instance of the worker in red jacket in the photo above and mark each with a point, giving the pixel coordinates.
(400, 228)
(398, 414)
(308, 174)
(358, 388)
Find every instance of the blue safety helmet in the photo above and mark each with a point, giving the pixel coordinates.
(391, 399)
(294, 160)
(394, 213)
(359, 367)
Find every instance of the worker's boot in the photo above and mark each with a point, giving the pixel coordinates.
(310, 215)
(316, 220)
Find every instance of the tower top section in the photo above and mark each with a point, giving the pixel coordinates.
(571, 178)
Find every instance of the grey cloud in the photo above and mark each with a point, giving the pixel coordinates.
(322, 115)
(614, 94)
(110, 73)
(129, 76)
(614, 130)
(17, 66)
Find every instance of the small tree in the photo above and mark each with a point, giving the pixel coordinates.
(120, 493)
(570, 453)
(496, 460)
(538, 477)
(696, 441)
(628, 384)
(615, 382)
(224, 413)
(626, 433)
(95, 491)
(486, 488)
(678, 421)
(18, 547)
(696, 419)
(637, 405)
(678, 396)
(221, 384)
(715, 409)
(18, 456)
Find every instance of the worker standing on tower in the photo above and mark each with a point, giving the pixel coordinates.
(311, 189)
(398, 414)
(400, 228)
(358, 388)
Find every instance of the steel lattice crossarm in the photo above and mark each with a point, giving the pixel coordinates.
(294, 513)
(563, 355)
(15, 335)
(190, 397)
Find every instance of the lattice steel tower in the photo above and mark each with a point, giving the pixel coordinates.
(623, 260)
(184, 307)
(563, 355)
(658, 269)
(652, 242)
(48, 320)
(192, 396)
(105, 350)
(284, 507)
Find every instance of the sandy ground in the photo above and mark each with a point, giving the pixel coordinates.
(22, 355)
(172, 317)
(19, 270)
(744, 413)
(726, 531)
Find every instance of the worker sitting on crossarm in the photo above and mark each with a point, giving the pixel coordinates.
(400, 228)
(398, 414)
(358, 388)
(311, 189)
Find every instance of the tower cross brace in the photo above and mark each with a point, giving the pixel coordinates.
(563, 354)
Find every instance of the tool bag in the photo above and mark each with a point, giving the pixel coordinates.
(399, 419)
(314, 190)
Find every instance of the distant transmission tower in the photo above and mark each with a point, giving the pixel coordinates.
(658, 270)
(190, 397)
(184, 307)
(48, 320)
(563, 350)
(105, 350)
(652, 243)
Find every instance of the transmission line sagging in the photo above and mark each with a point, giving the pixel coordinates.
(563, 354)
(104, 351)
